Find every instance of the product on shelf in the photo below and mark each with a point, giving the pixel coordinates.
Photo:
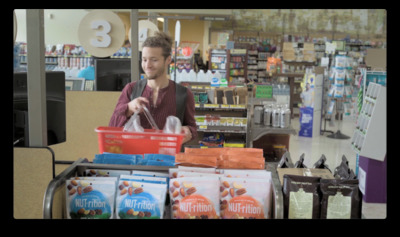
(135, 159)
(209, 193)
(141, 197)
(245, 198)
(274, 65)
(196, 160)
(90, 198)
(223, 158)
(194, 197)
(105, 173)
(301, 197)
(341, 199)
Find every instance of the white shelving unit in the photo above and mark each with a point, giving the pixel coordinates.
(369, 137)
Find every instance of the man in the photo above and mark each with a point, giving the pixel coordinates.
(159, 95)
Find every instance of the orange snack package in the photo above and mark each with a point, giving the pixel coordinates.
(204, 151)
(241, 162)
(196, 160)
(224, 158)
(242, 198)
(194, 198)
(249, 151)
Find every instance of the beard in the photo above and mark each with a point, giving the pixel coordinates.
(155, 74)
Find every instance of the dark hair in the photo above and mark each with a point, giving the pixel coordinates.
(159, 40)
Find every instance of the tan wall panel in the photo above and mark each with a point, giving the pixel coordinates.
(85, 111)
(32, 174)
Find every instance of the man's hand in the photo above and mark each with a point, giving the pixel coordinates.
(188, 134)
(136, 105)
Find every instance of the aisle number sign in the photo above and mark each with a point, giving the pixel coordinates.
(101, 33)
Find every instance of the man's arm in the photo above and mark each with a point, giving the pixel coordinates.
(189, 123)
(119, 116)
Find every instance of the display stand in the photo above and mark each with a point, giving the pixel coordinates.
(54, 201)
(338, 134)
(339, 75)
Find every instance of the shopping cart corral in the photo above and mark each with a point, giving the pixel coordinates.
(54, 199)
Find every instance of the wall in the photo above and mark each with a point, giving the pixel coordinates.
(60, 26)
(363, 23)
(191, 30)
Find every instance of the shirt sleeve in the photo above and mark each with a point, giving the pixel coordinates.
(119, 118)
(189, 114)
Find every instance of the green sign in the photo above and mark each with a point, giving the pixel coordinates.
(263, 91)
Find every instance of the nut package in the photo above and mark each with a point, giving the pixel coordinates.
(90, 198)
(140, 200)
(245, 198)
(194, 197)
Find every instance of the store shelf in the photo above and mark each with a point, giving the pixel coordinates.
(222, 129)
(370, 133)
(219, 106)
(261, 101)
(259, 130)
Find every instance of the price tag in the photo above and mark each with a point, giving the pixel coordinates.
(101, 33)
(237, 107)
(211, 105)
(203, 127)
(225, 106)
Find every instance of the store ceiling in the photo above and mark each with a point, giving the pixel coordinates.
(183, 11)
(197, 13)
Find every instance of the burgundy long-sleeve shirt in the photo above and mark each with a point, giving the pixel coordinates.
(165, 106)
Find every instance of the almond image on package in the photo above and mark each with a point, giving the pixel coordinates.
(194, 197)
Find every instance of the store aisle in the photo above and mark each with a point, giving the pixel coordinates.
(314, 147)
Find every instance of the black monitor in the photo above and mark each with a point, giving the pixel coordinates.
(112, 74)
(55, 112)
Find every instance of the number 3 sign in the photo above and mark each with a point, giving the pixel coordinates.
(101, 33)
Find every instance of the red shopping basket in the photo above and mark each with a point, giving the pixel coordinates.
(151, 141)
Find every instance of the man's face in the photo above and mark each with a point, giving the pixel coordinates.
(153, 62)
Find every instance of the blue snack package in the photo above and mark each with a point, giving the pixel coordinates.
(140, 200)
(151, 174)
(90, 199)
(144, 179)
(121, 159)
(157, 160)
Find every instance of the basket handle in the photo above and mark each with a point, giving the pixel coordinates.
(150, 118)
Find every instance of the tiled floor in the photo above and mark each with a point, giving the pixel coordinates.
(333, 149)
(314, 147)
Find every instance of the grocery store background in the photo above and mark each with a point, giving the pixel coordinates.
(86, 110)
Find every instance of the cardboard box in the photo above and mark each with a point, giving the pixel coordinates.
(289, 55)
(376, 59)
(323, 173)
(287, 46)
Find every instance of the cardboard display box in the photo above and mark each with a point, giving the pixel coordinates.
(323, 173)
